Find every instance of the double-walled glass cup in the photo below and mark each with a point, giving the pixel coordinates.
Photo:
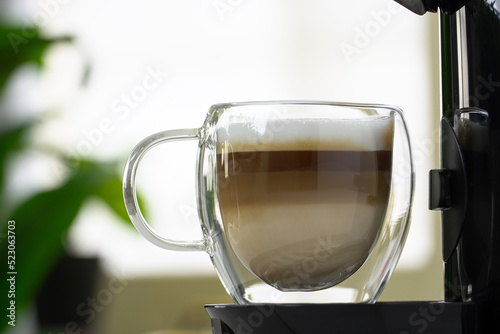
(299, 202)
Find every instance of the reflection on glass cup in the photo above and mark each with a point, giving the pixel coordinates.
(299, 202)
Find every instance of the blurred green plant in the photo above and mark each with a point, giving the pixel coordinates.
(43, 220)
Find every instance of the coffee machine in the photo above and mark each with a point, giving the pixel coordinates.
(466, 189)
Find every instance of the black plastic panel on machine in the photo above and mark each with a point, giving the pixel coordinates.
(448, 189)
(383, 318)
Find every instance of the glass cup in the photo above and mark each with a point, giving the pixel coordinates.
(299, 202)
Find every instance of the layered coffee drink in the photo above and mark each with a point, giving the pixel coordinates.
(303, 202)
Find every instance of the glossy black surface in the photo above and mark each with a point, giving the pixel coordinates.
(472, 273)
(386, 318)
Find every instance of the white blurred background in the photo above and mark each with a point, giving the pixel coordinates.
(160, 64)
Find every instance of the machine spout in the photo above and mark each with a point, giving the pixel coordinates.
(420, 7)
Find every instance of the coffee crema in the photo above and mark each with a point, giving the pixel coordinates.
(303, 213)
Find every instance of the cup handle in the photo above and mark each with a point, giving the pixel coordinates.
(130, 194)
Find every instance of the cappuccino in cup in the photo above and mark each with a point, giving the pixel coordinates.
(298, 201)
(303, 201)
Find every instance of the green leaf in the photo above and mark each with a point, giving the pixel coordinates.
(10, 141)
(111, 193)
(20, 46)
(43, 221)
(103, 181)
(40, 224)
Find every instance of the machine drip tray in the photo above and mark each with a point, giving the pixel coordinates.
(384, 317)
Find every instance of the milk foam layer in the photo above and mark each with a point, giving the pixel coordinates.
(369, 134)
(301, 253)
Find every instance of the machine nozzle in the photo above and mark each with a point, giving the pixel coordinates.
(421, 7)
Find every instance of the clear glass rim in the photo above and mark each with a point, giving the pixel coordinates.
(226, 105)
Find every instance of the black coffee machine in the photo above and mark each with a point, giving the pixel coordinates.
(466, 189)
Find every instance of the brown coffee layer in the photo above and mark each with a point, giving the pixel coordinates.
(317, 160)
